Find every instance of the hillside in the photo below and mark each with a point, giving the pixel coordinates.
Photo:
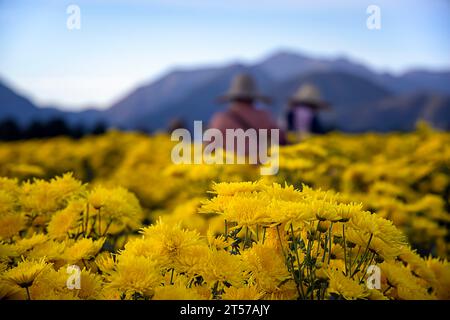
(361, 97)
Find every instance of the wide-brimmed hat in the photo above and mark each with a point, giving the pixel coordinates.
(243, 87)
(308, 94)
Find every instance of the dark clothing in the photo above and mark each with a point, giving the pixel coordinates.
(316, 127)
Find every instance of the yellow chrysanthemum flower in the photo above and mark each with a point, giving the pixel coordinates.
(11, 225)
(135, 275)
(105, 262)
(405, 285)
(282, 211)
(176, 292)
(25, 244)
(375, 294)
(343, 286)
(378, 227)
(221, 266)
(90, 286)
(193, 259)
(42, 197)
(441, 270)
(52, 285)
(85, 248)
(51, 250)
(418, 265)
(230, 189)
(169, 243)
(242, 293)
(266, 266)
(116, 205)
(62, 222)
(25, 272)
(8, 202)
(7, 251)
(66, 186)
(9, 291)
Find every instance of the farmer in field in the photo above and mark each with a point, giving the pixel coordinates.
(304, 106)
(242, 112)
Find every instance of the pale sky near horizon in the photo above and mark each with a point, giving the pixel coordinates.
(125, 43)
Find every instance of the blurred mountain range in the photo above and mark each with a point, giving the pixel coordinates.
(362, 99)
(20, 109)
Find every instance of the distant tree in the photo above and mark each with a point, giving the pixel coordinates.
(142, 129)
(77, 131)
(35, 130)
(56, 127)
(99, 128)
(9, 130)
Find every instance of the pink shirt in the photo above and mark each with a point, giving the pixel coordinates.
(251, 118)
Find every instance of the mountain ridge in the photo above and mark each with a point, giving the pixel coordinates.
(189, 93)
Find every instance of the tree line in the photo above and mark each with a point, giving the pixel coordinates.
(10, 130)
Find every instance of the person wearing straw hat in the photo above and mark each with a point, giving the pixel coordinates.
(242, 112)
(304, 105)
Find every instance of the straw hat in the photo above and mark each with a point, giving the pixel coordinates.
(310, 95)
(243, 87)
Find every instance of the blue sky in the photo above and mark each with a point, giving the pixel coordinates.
(124, 43)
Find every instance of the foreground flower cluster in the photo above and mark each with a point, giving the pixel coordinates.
(140, 227)
(275, 242)
(404, 177)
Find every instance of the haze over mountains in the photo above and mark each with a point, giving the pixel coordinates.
(362, 99)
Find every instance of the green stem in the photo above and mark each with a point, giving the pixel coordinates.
(298, 262)
(352, 261)
(171, 276)
(388, 288)
(87, 220)
(286, 261)
(325, 248)
(28, 293)
(99, 222)
(363, 257)
(320, 239)
(345, 248)
(226, 229)
(367, 265)
(324, 289)
(190, 282)
(308, 267)
(84, 262)
(216, 286)
(246, 238)
(264, 234)
(92, 230)
(297, 284)
(281, 244)
(330, 242)
(107, 227)
(82, 226)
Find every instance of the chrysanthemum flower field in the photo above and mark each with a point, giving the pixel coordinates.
(139, 227)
